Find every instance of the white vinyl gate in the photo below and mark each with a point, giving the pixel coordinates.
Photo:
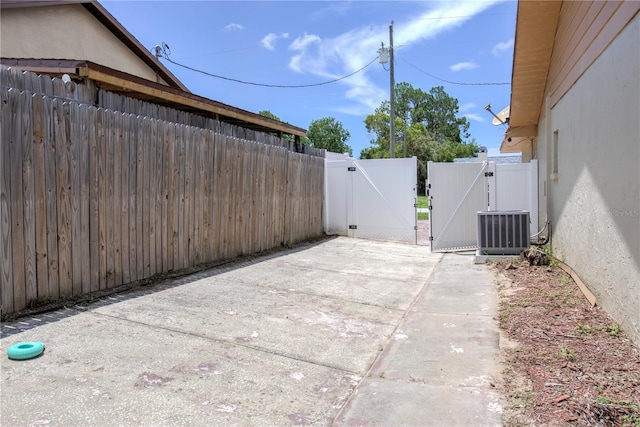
(371, 199)
(458, 191)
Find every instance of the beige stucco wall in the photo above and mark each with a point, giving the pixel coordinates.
(594, 202)
(66, 32)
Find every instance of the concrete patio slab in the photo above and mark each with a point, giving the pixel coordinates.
(338, 332)
(384, 402)
(98, 370)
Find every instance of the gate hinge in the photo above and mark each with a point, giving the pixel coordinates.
(351, 168)
(431, 238)
(415, 205)
(488, 174)
(415, 227)
(353, 227)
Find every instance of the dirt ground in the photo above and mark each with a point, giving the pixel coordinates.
(566, 363)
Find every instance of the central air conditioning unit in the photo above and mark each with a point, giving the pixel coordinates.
(503, 232)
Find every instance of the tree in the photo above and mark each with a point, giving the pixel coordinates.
(328, 133)
(426, 126)
(269, 114)
(439, 112)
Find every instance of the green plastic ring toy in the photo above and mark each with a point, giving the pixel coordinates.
(25, 350)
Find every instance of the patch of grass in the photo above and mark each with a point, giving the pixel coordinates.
(525, 400)
(524, 302)
(630, 419)
(613, 330)
(564, 279)
(505, 313)
(586, 329)
(423, 203)
(549, 252)
(567, 353)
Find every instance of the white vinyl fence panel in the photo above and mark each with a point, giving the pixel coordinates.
(371, 199)
(458, 191)
(516, 188)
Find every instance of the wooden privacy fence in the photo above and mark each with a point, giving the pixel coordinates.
(91, 199)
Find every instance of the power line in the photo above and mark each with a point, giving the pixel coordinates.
(166, 56)
(453, 83)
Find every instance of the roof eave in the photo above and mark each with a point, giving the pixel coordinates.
(536, 25)
(97, 10)
(137, 87)
(112, 24)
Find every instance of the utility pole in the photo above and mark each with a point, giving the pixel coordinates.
(392, 100)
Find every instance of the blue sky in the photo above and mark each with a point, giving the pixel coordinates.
(308, 42)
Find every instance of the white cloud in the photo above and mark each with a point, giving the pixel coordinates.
(468, 106)
(337, 8)
(475, 117)
(501, 47)
(331, 58)
(302, 42)
(268, 41)
(468, 65)
(234, 27)
(300, 45)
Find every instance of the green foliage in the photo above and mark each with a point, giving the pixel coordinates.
(423, 202)
(613, 330)
(525, 400)
(328, 133)
(548, 250)
(426, 126)
(270, 115)
(631, 418)
(586, 329)
(449, 150)
(567, 353)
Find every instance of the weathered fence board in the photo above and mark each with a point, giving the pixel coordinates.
(28, 194)
(6, 224)
(17, 200)
(92, 198)
(117, 199)
(94, 202)
(63, 185)
(83, 247)
(53, 260)
(75, 197)
(124, 121)
(40, 128)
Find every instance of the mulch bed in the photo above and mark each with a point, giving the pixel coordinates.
(566, 363)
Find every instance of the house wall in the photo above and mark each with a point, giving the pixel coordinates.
(585, 29)
(593, 202)
(71, 33)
